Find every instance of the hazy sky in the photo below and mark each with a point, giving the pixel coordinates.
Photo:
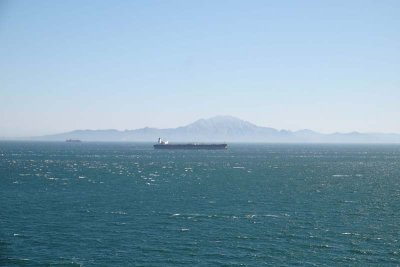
(323, 65)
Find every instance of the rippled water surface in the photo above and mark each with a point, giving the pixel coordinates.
(125, 204)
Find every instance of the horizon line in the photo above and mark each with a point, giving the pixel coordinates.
(209, 118)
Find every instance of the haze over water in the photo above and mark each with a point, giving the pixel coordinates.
(121, 204)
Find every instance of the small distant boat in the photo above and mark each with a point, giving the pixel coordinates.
(161, 144)
(73, 141)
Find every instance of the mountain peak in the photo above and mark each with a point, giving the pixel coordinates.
(221, 122)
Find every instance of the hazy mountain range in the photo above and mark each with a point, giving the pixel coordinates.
(222, 129)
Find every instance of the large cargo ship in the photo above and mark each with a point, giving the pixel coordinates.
(161, 144)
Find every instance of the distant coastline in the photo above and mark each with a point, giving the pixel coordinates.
(220, 129)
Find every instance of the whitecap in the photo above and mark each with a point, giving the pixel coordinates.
(271, 215)
(347, 233)
(119, 212)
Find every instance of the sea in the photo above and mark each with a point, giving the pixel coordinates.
(126, 204)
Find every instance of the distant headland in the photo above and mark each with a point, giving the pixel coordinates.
(221, 129)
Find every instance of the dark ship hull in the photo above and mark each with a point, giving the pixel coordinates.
(191, 146)
(73, 141)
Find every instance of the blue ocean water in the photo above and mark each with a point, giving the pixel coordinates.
(125, 204)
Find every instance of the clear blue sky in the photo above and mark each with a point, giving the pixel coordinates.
(324, 65)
